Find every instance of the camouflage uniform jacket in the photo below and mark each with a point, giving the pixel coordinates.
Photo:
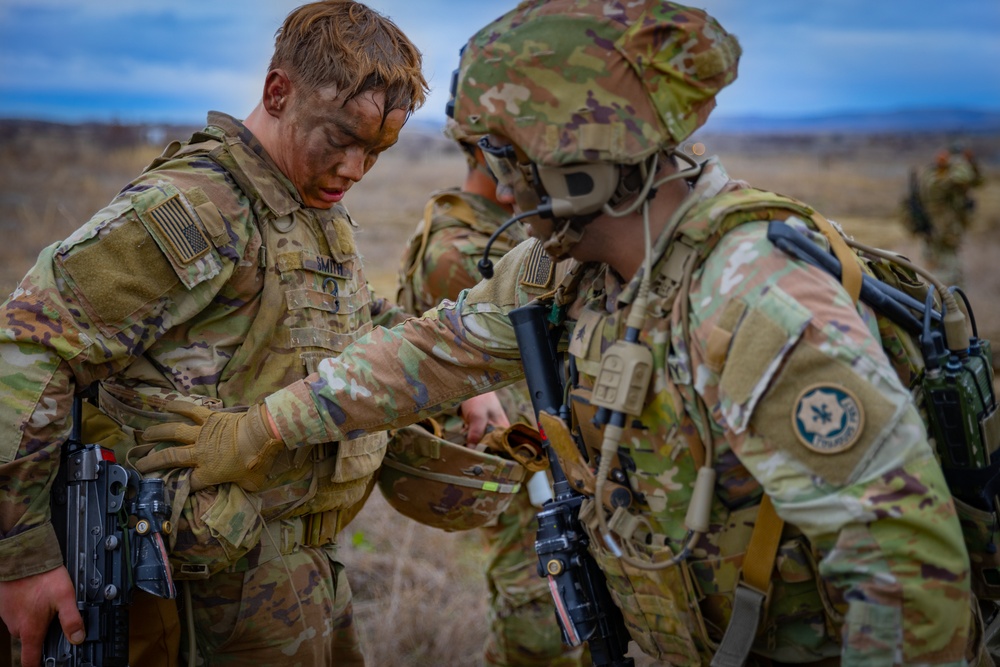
(441, 259)
(442, 255)
(872, 565)
(205, 278)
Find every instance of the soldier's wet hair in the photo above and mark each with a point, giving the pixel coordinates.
(351, 46)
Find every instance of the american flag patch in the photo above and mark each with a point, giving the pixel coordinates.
(538, 268)
(180, 229)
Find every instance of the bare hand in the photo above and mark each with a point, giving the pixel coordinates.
(27, 606)
(481, 411)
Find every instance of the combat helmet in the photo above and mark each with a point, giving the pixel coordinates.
(453, 131)
(465, 141)
(446, 485)
(585, 88)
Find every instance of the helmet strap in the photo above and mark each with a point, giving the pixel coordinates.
(559, 244)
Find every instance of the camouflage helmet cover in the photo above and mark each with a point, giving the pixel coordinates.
(454, 131)
(573, 81)
(444, 485)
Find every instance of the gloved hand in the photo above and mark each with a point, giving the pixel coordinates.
(220, 446)
(521, 443)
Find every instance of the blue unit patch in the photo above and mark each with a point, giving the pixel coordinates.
(828, 419)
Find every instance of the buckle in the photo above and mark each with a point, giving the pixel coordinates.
(192, 571)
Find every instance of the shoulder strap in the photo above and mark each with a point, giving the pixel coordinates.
(709, 223)
(460, 210)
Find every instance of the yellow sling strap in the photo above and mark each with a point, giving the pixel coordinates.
(763, 547)
(750, 600)
(753, 589)
(850, 269)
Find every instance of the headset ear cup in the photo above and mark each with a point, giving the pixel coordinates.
(579, 189)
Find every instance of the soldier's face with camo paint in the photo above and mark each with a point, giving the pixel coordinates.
(327, 144)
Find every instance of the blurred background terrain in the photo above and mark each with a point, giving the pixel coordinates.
(420, 592)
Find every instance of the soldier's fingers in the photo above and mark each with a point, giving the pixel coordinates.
(53, 595)
(69, 616)
(479, 412)
(172, 432)
(172, 457)
(192, 411)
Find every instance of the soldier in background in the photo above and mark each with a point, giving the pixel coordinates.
(223, 272)
(770, 409)
(439, 262)
(939, 208)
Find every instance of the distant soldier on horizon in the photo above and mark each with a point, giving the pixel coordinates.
(938, 208)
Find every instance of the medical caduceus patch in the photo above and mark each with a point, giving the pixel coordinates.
(828, 419)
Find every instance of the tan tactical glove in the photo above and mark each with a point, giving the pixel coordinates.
(521, 443)
(220, 446)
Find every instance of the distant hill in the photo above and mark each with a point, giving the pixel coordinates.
(424, 134)
(964, 121)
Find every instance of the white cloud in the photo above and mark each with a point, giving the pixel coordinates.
(798, 57)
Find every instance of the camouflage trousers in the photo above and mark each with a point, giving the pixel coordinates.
(293, 611)
(523, 630)
(944, 261)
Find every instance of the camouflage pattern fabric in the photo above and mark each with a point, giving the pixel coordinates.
(278, 614)
(944, 189)
(444, 484)
(872, 565)
(440, 262)
(648, 71)
(523, 629)
(204, 279)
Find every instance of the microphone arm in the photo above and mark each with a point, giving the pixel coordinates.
(485, 265)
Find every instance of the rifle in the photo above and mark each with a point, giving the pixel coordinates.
(584, 606)
(92, 501)
(920, 222)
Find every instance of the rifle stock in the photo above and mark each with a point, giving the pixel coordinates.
(579, 589)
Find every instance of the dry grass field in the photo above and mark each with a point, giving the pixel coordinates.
(420, 596)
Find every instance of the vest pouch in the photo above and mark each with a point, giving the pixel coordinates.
(359, 458)
(220, 528)
(799, 615)
(347, 515)
(980, 530)
(100, 429)
(353, 464)
(659, 606)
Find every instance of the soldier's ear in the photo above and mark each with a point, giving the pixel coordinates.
(277, 92)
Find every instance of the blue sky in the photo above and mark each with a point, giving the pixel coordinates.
(142, 61)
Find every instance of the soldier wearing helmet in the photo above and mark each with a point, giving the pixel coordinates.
(941, 192)
(770, 494)
(429, 475)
